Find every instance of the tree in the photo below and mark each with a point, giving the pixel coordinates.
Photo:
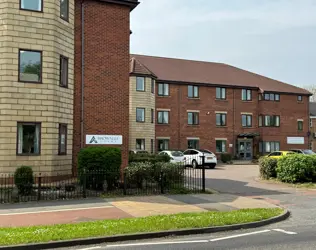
(312, 89)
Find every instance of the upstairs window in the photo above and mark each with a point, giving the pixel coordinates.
(246, 120)
(32, 5)
(246, 95)
(62, 141)
(221, 119)
(64, 10)
(140, 83)
(163, 117)
(140, 115)
(299, 98)
(30, 66)
(271, 97)
(193, 118)
(300, 125)
(221, 93)
(163, 89)
(269, 121)
(152, 86)
(193, 91)
(63, 72)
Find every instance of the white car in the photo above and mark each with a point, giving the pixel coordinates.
(175, 156)
(193, 158)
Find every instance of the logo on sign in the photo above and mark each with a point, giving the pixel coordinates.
(93, 140)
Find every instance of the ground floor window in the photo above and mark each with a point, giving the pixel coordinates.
(151, 146)
(269, 146)
(220, 146)
(28, 142)
(140, 144)
(62, 141)
(163, 144)
(194, 144)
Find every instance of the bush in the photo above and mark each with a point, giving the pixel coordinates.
(172, 173)
(153, 158)
(267, 167)
(99, 164)
(138, 172)
(297, 168)
(226, 157)
(24, 180)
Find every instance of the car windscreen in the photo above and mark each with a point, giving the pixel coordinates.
(176, 153)
(205, 151)
(308, 152)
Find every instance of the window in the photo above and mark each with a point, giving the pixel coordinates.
(300, 125)
(153, 86)
(28, 138)
(163, 117)
(193, 118)
(32, 5)
(310, 123)
(267, 147)
(193, 143)
(152, 115)
(140, 115)
(63, 72)
(271, 97)
(163, 89)
(163, 144)
(151, 146)
(30, 66)
(64, 9)
(299, 98)
(220, 146)
(269, 121)
(246, 95)
(193, 91)
(221, 93)
(140, 144)
(220, 119)
(140, 83)
(62, 141)
(246, 120)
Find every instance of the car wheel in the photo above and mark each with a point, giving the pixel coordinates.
(212, 166)
(194, 164)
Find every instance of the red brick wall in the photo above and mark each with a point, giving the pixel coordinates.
(106, 92)
(178, 130)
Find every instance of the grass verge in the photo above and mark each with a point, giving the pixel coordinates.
(37, 234)
(310, 185)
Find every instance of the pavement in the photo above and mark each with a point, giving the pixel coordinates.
(74, 211)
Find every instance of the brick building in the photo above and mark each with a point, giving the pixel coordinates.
(64, 71)
(213, 106)
(312, 124)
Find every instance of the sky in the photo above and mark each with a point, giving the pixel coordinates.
(274, 38)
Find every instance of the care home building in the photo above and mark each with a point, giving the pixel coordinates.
(64, 74)
(180, 104)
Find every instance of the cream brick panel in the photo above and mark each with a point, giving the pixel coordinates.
(47, 103)
(145, 100)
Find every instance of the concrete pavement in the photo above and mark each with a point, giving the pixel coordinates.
(58, 212)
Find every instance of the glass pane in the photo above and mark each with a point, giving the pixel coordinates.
(218, 93)
(160, 117)
(267, 120)
(30, 139)
(277, 121)
(223, 146)
(31, 5)
(260, 121)
(277, 146)
(243, 94)
(218, 146)
(277, 97)
(196, 118)
(160, 89)
(223, 116)
(223, 93)
(140, 115)
(166, 89)
(272, 97)
(218, 119)
(267, 96)
(260, 147)
(267, 144)
(272, 146)
(190, 91)
(30, 66)
(249, 95)
(140, 83)
(190, 118)
(249, 120)
(64, 9)
(196, 91)
(244, 120)
(165, 117)
(153, 86)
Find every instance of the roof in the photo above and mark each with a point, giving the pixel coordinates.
(188, 71)
(137, 67)
(312, 108)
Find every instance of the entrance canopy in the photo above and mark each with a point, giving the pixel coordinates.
(249, 134)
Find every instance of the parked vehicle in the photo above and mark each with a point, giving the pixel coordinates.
(303, 151)
(175, 156)
(143, 152)
(193, 158)
(279, 154)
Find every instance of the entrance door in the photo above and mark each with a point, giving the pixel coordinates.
(245, 149)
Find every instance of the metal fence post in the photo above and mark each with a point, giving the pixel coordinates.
(161, 183)
(84, 195)
(39, 187)
(125, 184)
(203, 173)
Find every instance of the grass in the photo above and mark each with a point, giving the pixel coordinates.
(37, 234)
(295, 185)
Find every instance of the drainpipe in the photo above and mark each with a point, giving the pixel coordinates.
(82, 74)
(234, 140)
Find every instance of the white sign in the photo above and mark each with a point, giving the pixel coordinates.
(230, 145)
(104, 139)
(295, 140)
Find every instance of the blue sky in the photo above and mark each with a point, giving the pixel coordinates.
(275, 38)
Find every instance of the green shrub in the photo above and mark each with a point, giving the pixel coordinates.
(226, 157)
(99, 164)
(173, 174)
(267, 167)
(137, 172)
(153, 158)
(296, 168)
(24, 180)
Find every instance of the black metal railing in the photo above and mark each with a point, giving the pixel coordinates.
(50, 186)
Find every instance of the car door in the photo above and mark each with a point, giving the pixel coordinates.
(275, 155)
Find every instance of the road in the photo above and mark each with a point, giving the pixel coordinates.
(298, 232)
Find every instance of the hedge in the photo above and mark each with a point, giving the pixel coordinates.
(99, 164)
(297, 168)
(267, 167)
(152, 158)
(226, 157)
(24, 180)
